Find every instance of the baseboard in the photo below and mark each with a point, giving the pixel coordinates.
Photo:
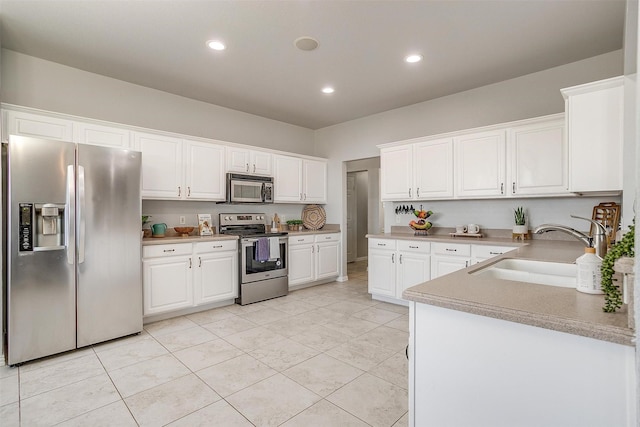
(390, 300)
(168, 315)
(343, 278)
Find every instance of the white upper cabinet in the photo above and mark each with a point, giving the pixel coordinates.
(241, 160)
(37, 126)
(106, 136)
(594, 116)
(538, 153)
(433, 169)
(204, 171)
(396, 173)
(314, 181)
(161, 165)
(297, 180)
(481, 164)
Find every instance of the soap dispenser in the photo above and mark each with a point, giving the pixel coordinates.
(589, 276)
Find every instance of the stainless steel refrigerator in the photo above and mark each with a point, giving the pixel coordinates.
(72, 246)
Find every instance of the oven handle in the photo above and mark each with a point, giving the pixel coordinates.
(281, 239)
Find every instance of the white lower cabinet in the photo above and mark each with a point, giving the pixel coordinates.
(313, 257)
(395, 265)
(449, 257)
(182, 275)
(481, 253)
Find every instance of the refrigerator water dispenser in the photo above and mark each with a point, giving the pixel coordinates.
(49, 226)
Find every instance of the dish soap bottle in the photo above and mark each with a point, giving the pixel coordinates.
(589, 278)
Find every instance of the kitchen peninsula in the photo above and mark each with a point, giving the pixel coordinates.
(516, 353)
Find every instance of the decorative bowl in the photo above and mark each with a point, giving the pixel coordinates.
(185, 231)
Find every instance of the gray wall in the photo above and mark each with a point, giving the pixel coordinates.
(36, 83)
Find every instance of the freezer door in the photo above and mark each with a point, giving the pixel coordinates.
(41, 315)
(109, 246)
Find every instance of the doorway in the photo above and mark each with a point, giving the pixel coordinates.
(364, 211)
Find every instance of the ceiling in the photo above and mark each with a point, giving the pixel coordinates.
(161, 45)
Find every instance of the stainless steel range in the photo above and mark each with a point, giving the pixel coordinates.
(262, 255)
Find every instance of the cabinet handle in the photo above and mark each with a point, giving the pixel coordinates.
(188, 191)
(382, 244)
(502, 188)
(189, 262)
(466, 263)
(216, 246)
(300, 196)
(300, 240)
(451, 250)
(254, 168)
(179, 191)
(495, 253)
(305, 196)
(409, 192)
(247, 167)
(393, 258)
(413, 247)
(513, 187)
(199, 262)
(313, 249)
(418, 192)
(400, 258)
(169, 250)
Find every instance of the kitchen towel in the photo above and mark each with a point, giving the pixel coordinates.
(261, 253)
(274, 248)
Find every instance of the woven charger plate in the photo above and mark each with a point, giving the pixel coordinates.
(314, 217)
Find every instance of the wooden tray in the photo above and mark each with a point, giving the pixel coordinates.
(607, 214)
(478, 235)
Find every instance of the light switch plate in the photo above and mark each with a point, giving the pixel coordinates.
(183, 220)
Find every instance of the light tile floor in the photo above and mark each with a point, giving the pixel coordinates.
(322, 356)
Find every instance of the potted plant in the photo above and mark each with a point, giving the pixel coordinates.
(520, 220)
(623, 248)
(295, 224)
(145, 219)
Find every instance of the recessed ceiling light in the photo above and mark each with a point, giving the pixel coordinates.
(216, 45)
(413, 58)
(328, 89)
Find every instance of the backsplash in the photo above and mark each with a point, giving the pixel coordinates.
(169, 211)
(498, 213)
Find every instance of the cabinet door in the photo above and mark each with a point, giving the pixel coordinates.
(215, 277)
(538, 159)
(328, 258)
(167, 284)
(480, 164)
(161, 166)
(238, 160)
(396, 173)
(37, 126)
(413, 269)
(595, 133)
(204, 171)
(441, 265)
(301, 264)
(261, 163)
(382, 272)
(287, 179)
(106, 136)
(433, 169)
(315, 181)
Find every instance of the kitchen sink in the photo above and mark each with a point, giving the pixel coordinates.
(531, 271)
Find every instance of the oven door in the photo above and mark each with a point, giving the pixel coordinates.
(253, 271)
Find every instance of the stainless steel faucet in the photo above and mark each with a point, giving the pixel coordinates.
(598, 240)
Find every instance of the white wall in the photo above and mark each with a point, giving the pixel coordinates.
(524, 97)
(34, 82)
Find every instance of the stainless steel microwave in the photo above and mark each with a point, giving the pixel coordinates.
(249, 188)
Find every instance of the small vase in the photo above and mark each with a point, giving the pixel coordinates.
(520, 229)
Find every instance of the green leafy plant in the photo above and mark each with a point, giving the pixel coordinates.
(612, 293)
(145, 219)
(518, 215)
(294, 222)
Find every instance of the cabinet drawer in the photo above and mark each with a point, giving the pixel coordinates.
(154, 251)
(454, 249)
(482, 251)
(413, 246)
(382, 244)
(215, 246)
(301, 240)
(334, 237)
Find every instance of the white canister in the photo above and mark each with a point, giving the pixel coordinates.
(589, 278)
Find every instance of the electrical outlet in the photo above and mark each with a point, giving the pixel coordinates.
(397, 219)
(183, 220)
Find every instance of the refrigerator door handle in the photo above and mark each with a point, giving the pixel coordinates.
(69, 226)
(80, 218)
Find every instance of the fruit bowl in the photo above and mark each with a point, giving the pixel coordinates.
(421, 225)
(185, 231)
